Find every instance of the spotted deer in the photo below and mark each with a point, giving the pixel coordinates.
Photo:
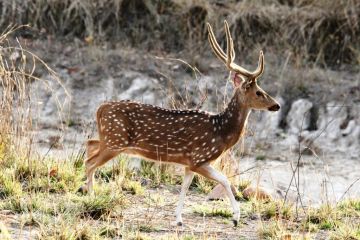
(191, 138)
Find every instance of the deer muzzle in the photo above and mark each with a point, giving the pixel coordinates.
(274, 108)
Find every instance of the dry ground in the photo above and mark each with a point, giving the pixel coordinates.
(123, 209)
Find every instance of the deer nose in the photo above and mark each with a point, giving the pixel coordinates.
(274, 108)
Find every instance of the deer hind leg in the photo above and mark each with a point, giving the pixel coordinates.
(92, 145)
(98, 158)
(211, 173)
(189, 175)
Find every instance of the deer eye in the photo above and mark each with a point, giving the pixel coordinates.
(258, 93)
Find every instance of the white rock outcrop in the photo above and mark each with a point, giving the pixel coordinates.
(298, 118)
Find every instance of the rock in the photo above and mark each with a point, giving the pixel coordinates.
(257, 193)
(330, 119)
(52, 101)
(351, 138)
(339, 128)
(298, 118)
(352, 134)
(142, 88)
(219, 193)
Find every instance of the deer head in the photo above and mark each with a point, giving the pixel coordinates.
(245, 82)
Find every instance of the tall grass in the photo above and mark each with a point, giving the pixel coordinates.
(18, 108)
(320, 32)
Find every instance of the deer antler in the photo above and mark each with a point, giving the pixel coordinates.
(228, 59)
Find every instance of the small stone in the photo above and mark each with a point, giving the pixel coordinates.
(257, 193)
(235, 222)
(219, 193)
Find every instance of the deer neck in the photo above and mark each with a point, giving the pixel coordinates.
(234, 118)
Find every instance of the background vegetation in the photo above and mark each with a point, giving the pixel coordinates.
(322, 32)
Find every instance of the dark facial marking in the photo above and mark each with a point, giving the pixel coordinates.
(259, 94)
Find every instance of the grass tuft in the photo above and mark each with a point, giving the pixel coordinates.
(9, 187)
(133, 187)
(272, 230)
(158, 173)
(99, 207)
(147, 228)
(20, 205)
(202, 184)
(212, 212)
(272, 209)
(347, 231)
(110, 232)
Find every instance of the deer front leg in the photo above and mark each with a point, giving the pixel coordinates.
(189, 175)
(211, 173)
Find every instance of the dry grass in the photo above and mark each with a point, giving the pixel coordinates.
(320, 32)
(18, 103)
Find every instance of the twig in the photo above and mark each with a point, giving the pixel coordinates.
(300, 155)
(348, 189)
(297, 170)
(250, 168)
(194, 69)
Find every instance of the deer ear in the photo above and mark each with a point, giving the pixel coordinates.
(238, 80)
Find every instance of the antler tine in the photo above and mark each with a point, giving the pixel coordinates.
(229, 46)
(214, 45)
(260, 69)
(229, 58)
(218, 52)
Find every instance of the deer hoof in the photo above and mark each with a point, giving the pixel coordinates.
(82, 190)
(179, 224)
(235, 222)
